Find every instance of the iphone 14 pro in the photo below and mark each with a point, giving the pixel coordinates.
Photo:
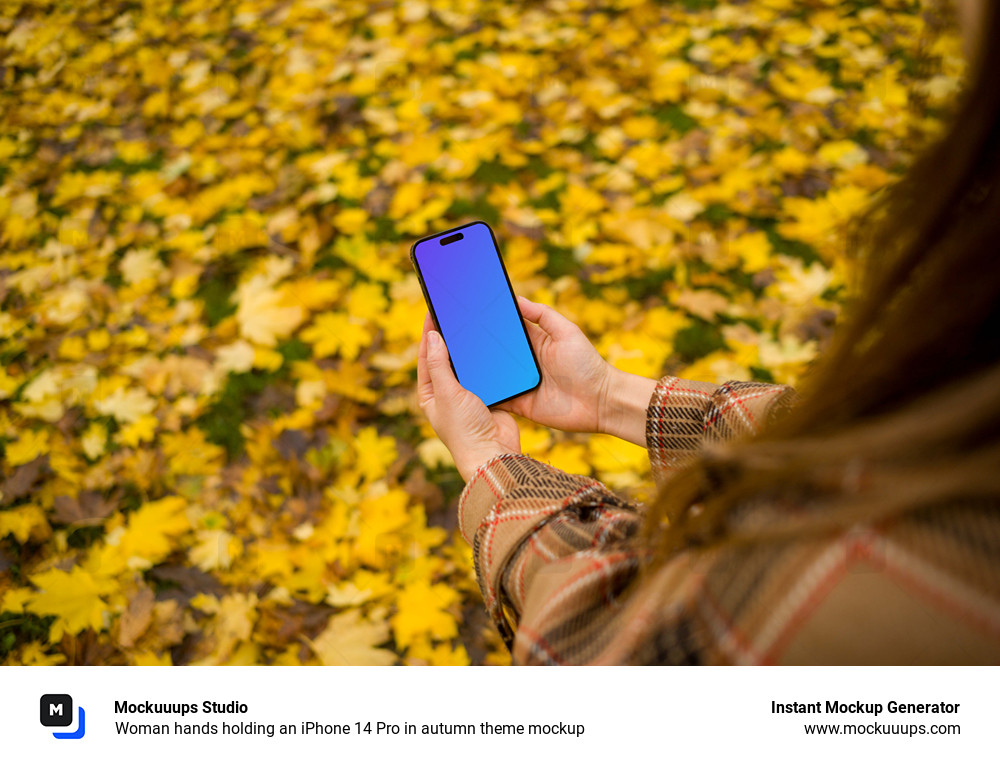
(473, 306)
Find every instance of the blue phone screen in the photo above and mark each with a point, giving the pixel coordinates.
(476, 312)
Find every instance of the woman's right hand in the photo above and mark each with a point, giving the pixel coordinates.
(579, 391)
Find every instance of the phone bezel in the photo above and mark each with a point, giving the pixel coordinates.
(503, 268)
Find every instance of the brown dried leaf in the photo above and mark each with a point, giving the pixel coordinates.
(136, 618)
(189, 580)
(702, 303)
(87, 509)
(292, 444)
(23, 480)
(278, 625)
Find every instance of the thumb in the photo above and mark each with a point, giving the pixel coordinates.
(438, 365)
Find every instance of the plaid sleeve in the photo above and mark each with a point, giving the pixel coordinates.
(684, 414)
(535, 530)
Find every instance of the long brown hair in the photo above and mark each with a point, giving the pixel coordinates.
(902, 411)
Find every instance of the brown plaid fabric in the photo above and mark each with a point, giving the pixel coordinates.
(557, 564)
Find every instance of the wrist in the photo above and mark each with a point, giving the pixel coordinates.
(470, 463)
(622, 412)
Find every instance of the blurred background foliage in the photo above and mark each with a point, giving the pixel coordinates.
(210, 447)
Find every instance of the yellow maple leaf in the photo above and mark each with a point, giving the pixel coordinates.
(126, 405)
(99, 339)
(14, 599)
(72, 348)
(366, 301)
(754, 250)
(845, 154)
(266, 314)
(314, 294)
(74, 597)
(141, 265)
(333, 332)
(24, 522)
(365, 586)
(94, 440)
(421, 611)
(35, 654)
(717, 367)
(350, 639)
(608, 453)
(146, 537)
(149, 657)
(8, 383)
(379, 520)
(234, 618)
(27, 446)
(235, 357)
(215, 549)
(442, 653)
(374, 453)
(569, 457)
(434, 454)
(142, 430)
(351, 220)
(407, 198)
(190, 453)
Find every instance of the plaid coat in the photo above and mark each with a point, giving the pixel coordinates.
(554, 557)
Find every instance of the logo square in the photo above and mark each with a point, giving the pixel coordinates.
(56, 710)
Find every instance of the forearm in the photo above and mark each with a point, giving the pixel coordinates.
(624, 405)
(505, 513)
(684, 415)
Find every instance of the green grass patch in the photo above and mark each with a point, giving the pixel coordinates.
(696, 340)
(17, 629)
(560, 261)
(493, 172)
(717, 213)
(676, 118)
(215, 290)
(221, 421)
(475, 208)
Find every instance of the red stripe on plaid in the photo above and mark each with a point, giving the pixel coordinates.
(672, 388)
(926, 588)
(536, 546)
(597, 566)
(493, 520)
(730, 632)
(809, 605)
(734, 401)
(522, 565)
(741, 402)
(539, 642)
(480, 473)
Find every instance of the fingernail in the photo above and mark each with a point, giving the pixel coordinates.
(434, 338)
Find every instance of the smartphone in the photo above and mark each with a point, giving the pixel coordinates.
(473, 306)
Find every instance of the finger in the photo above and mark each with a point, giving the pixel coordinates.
(511, 405)
(515, 405)
(550, 320)
(530, 312)
(425, 390)
(536, 335)
(443, 380)
(529, 309)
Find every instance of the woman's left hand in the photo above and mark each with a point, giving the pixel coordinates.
(471, 431)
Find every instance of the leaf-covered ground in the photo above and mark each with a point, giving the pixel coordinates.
(210, 447)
